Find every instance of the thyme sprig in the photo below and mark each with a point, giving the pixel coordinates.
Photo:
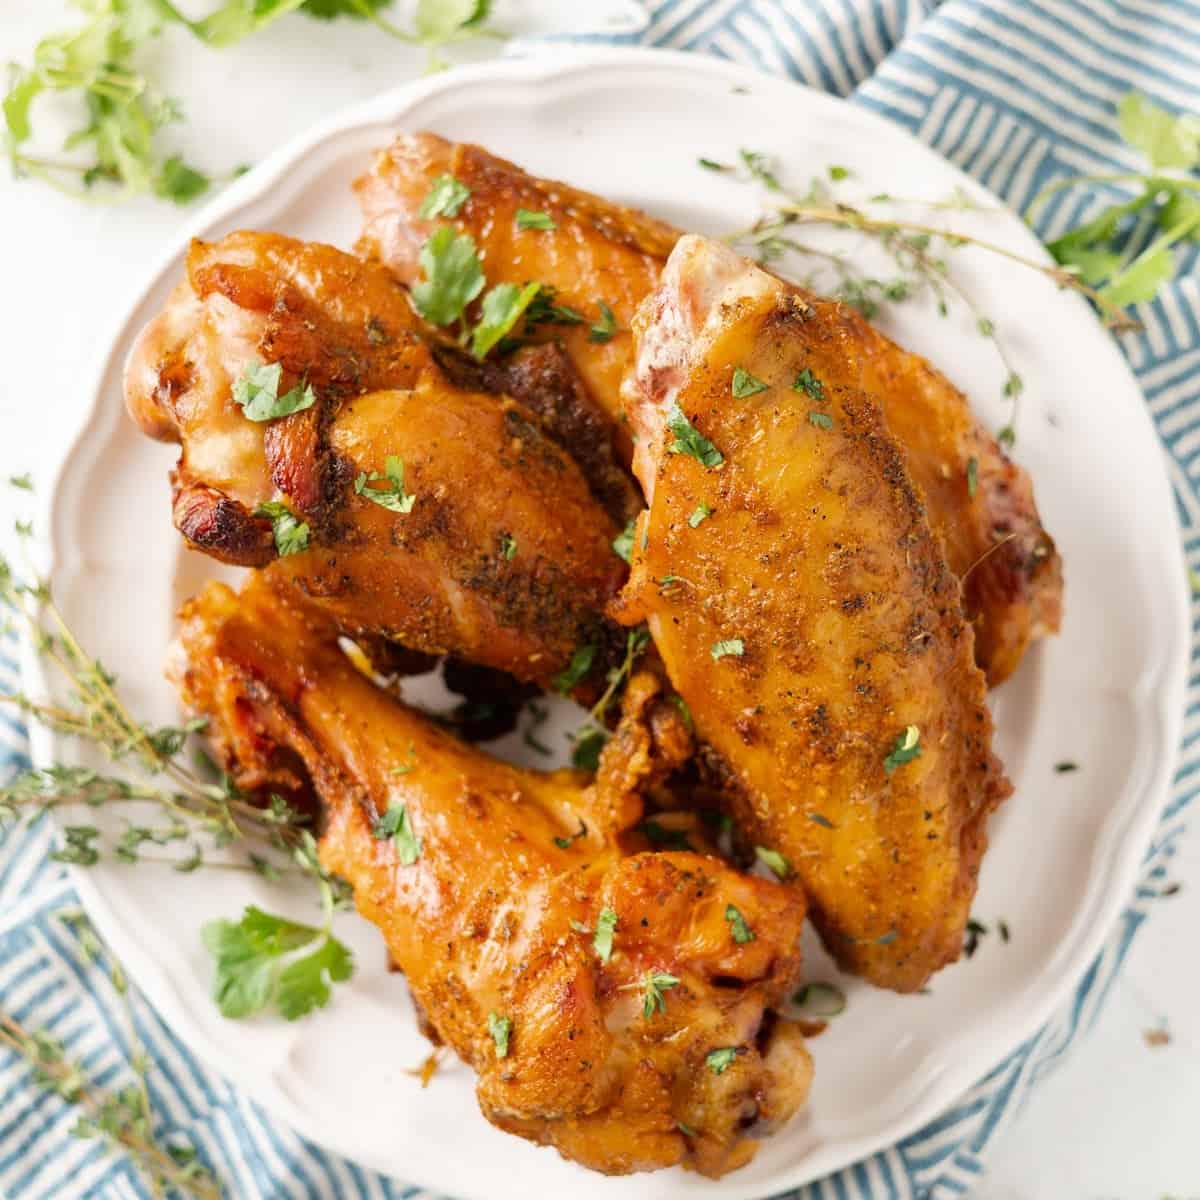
(193, 802)
(122, 1118)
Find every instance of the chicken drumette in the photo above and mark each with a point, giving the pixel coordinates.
(809, 617)
(442, 516)
(980, 503)
(651, 1043)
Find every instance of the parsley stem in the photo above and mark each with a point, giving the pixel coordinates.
(1152, 183)
(1163, 242)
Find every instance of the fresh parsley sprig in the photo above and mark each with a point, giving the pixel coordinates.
(116, 151)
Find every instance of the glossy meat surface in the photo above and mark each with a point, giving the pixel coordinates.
(599, 251)
(505, 557)
(811, 618)
(484, 920)
(994, 538)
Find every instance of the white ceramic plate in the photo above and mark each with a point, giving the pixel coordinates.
(1107, 693)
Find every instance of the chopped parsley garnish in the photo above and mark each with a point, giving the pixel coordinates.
(1007, 437)
(508, 547)
(975, 931)
(820, 1000)
(588, 744)
(808, 383)
(744, 384)
(501, 1029)
(291, 534)
(622, 544)
(444, 198)
(711, 164)
(688, 440)
(257, 391)
(823, 821)
(742, 933)
(576, 669)
(907, 747)
(700, 514)
(500, 311)
(820, 420)
(718, 1060)
(395, 824)
(837, 174)
(606, 925)
(526, 219)
(453, 276)
(730, 647)
(972, 477)
(564, 843)
(1064, 768)
(654, 984)
(24, 482)
(1005, 932)
(603, 329)
(393, 497)
(256, 967)
(773, 860)
(686, 1130)
(546, 310)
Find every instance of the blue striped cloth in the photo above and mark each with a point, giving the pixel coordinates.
(1016, 92)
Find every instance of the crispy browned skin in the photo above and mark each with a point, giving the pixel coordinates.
(600, 251)
(505, 558)
(481, 923)
(994, 540)
(818, 557)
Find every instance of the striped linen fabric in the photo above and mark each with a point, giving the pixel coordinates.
(1016, 92)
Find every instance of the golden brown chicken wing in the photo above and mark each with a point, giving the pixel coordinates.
(804, 609)
(603, 998)
(980, 503)
(444, 518)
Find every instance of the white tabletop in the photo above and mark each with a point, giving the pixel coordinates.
(1121, 1118)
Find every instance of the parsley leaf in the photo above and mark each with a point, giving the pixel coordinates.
(700, 514)
(730, 647)
(251, 971)
(546, 310)
(508, 547)
(589, 743)
(821, 1000)
(501, 1029)
(622, 544)
(291, 534)
(453, 276)
(1165, 139)
(445, 197)
(688, 440)
(257, 391)
(304, 984)
(742, 933)
(718, 1060)
(576, 669)
(906, 748)
(807, 382)
(744, 384)
(179, 182)
(837, 174)
(564, 843)
(534, 220)
(393, 497)
(606, 924)
(820, 420)
(396, 824)
(774, 860)
(440, 21)
(603, 329)
(654, 983)
(501, 310)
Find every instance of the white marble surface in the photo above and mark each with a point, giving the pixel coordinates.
(1119, 1121)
